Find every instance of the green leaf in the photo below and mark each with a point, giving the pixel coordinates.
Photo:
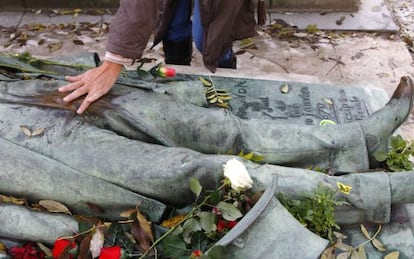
(216, 252)
(228, 210)
(397, 142)
(199, 241)
(380, 156)
(190, 226)
(173, 246)
(195, 186)
(215, 197)
(207, 221)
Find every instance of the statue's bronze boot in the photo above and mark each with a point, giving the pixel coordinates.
(380, 125)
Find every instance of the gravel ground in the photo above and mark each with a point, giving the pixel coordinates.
(403, 14)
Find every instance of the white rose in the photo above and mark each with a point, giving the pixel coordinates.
(237, 173)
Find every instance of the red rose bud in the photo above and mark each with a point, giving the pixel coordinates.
(112, 252)
(196, 254)
(166, 72)
(60, 246)
(28, 251)
(221, 225)
(231, 224)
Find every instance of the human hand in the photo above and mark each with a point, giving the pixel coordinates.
(95, 83)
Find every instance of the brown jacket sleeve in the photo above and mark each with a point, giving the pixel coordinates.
(224, 22)
(132, 26)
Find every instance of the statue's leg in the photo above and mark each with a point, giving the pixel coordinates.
(340, 147)
(174, 123)
(163, 173)
(32, 175)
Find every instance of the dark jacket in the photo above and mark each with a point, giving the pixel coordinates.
(223, 21)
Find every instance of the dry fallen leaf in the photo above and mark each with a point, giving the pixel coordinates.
(393, 255)
(37, 132)
(55, 46)
(127, 213)
(378, 245)
(329, 253)
(10, 199)
(54, 207)
(97, 242)
(45, 249)
(365, 232)
(141, 231)
(26, 131)
(284, 89)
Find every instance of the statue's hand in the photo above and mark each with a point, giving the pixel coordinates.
(94, 83)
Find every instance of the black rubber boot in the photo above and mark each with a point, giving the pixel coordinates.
(178, 52)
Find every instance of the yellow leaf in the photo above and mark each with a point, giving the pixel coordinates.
(2, 247)
(225, 97)
(172, 222)
(361, 253)
(223, 105)
(365, 232)
(328, 101)
(343, 255)
(248, 156)
(10, 199)
(205, 81)
(54, 207)
(393, 255)
(346, 189)
(211, 96)
(214, 100)
(127, 213)
(285, 88)
(378, 245)
(210, 90)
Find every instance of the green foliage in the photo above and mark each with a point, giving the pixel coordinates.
(252, 156)
(397, 158)
(210, 218)
(316, 212)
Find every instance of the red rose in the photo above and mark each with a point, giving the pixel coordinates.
(221, 225)
(231, 224)
(28, 251)
(60, 246)
(166, 72)
(112, 252)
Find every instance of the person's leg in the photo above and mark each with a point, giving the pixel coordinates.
(228, 60)
(177, 44)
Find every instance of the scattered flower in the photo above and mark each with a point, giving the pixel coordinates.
(237, 173)
(166, 71)
(60, 246)
(112, 252)
(28, 251)
(345, 189)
